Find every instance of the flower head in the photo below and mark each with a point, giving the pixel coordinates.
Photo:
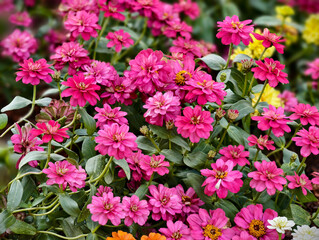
(315, 180)
(51, 130)
(187, 46)
(112, 9)
(107, 116)
(153, 236)
(32, 72)
(64, 173)
(231, 30)
(288, 99)
(120, 235)
(176, 231)
(270, 39)
(236, 154)
(189, 7)
(261, 142)
(306, 114)
(135, 210)
(135, 162)
(243, 236)
(177, 26)
(305, 232)
(281, 224)
(313, 69)
(195, 124)
(21, 19)
(270, 95)
(267, 176)
(151, 164)
(308, 141)
(119, 39)
(103, 189)
(310, 32)
(146, 8)
(102, 72)
(271, 70)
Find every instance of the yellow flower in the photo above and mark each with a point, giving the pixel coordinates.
(285, 10)
(270, 96)
(120, 235)
(257, 48)
(311, 31)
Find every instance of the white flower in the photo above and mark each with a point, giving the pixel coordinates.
(281, 224)
(304, 232)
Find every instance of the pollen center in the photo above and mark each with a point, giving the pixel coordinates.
(180, 78)
(212, 232)
(257, 228)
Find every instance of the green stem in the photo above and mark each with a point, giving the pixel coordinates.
(104, 171)
(262, 54)
(316, 214)
(46, 213)
(95, 229)
(222, 139)
(229, 54)
(36, 208)
(74, 118)
(256, 197)
(256, 156)
(279, 236)
(49, 152)
(261, 93)
(245, 85)
(27, 115)
(60, 236)
(296, 131)
(154, 143)
(275, 151)
(301, 164)
(291, 199)
(251, 84)
(104, 24)
(150, 181)
(277, 196)
(59, 88)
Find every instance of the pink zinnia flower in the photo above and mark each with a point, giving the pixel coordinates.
(54, 39)
(19, 45)
(136, 210)
(164, 202)
(186, 46)
(315, 180)
(83, 23)
(313, 69)
(207, 226)
(289, 99)
(119, 39)
(103, 189)
(190, 8)
(72, 53)
(301, 181)
(81, 90)
(243, 236)
(252, 220)
(51, 130)
(195, 124)
(162, 108)
(112, 9)
(149, 71)
(6, 6)
(177, 230)
(267, 176)
(78, 5)
(116, 141)
(64, 173)
(146, 7)
(102, 72)
(25, 141)
(231, 30)
(105, 208)
(190, 201)
(107, 116)
(236, 154)
(134, 162)
(176, 26)
(21, 19)
(270, 39)
(32, 72)
(275, 119)
(306, 114)
(261, 142)
(221, 179)
(204, 89)
(271, 70)
(308, 141)
(151, 164)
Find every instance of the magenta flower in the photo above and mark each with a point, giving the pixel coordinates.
(105, 208)
(64, 173)
(243, 236)
(289, 99)
(270, 39)
(252, 220)
(72, 53)
(221, 179)
(103, 189)
(313, 69)
(207, 226)
(162, 108)
(195, 124)
(32, 72)
(163, 202)
(301, 181)
(271, 70)
(231, 30)
(186, 46)
(261, 142)
(21, 19)
(308, 141)
(146, 7)
(107, 116)
(54, 39)
(25, 141)
(149, 72)
(306, 114)
(119, 39)
(267, 176)
(204, 89)
(51, 130)
(155, 164)
(190, 201)
(112, 9)
(177, 230)
(116, 141)
(275, 119)
(188, 7)
(176, 26)
(81, 90)
(19, 45)
(82, 23)
(236, 154)
(102, 72)
(136, 210)
(78, 5)
(315, 180)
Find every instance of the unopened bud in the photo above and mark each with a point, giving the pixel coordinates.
(220, 113)
(144, 130)
(293, 158)
(211, 154)
(223, 77)
(247, 64)
(56, 76)
(232, 114)
(169, 124)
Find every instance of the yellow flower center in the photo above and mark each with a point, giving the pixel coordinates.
(180, 77)
(257, 228)
(176, 235)
(212, 232)
(220, 175)
(154, 163)
(186, 200)
(237, 25)
(82, 85)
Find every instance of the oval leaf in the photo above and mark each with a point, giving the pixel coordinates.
(89, 122)
(3, 120)
(17, 103)
(69, 205)
(15, 195)
(214, 61)
(20, 227)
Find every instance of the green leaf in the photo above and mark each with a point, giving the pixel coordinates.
(88, 150)
(240, 57)
(225, 73)
(70, 229)
(69, 205)
(228, 207)
(310, 197)
(39, 156)
(287, 154)
(161, 132)
(194, 160)
(3, 120)
(223, 122)
(20, 227)
(43, 102)
(230, 9)
(17, 103)
(244, 108)
(6, 220)
(92, 236)
(172, 156)
(214, 61)
(94, 166)
(85, 212)
(102, 48)
(133, 34)
(279, 141)
(145, 144)
(123, 164)
(14, 195)
(269, 21)
(178, 140)
(300, 215)
(238, 135)
(109, 176)
(141, 191)
(89, 122)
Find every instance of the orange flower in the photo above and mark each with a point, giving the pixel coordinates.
(153, 236)
(120, 235)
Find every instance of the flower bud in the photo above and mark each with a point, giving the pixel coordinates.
(144, 130)
(232, 114)
(223, 77)
(211, 154)
(247, 65)
(169, 125)
(293, 158)
(220, 113)
(56, 76)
